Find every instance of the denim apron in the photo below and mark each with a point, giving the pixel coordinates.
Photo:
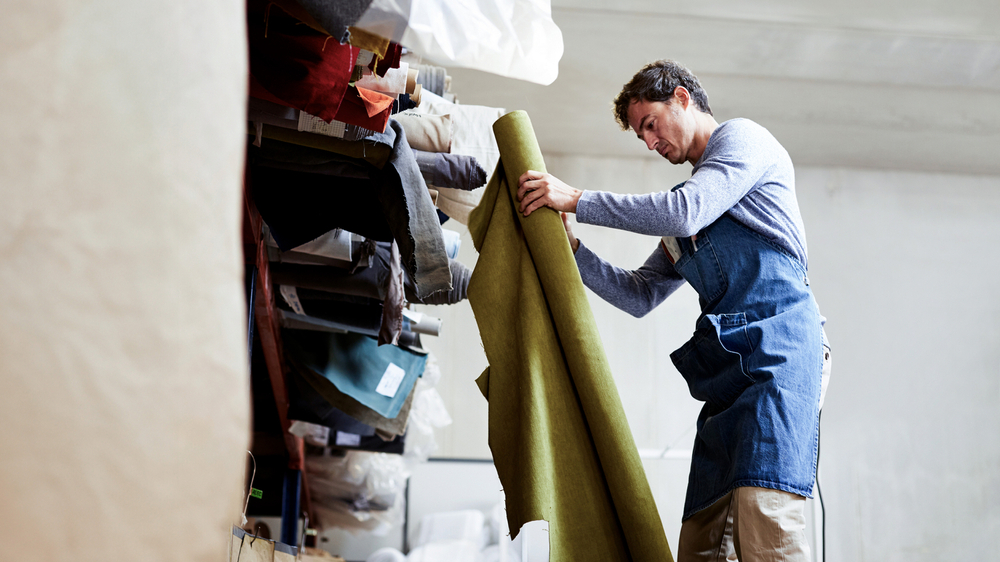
(755, 359)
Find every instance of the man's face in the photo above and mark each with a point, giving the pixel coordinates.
(664, 127)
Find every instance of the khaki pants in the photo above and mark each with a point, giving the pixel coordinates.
(747, 524)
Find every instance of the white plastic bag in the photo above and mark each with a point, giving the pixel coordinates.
(514, 38)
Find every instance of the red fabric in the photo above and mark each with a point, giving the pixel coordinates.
(370, 112)
(391, 60)
(261, 93)
(299, 66)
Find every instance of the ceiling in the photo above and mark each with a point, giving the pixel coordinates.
(857, 83)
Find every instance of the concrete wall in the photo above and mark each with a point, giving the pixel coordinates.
(904, 266)
(123, 376)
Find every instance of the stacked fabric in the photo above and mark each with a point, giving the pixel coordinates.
(354, 239)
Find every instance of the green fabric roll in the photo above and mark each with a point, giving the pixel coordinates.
(560, 440)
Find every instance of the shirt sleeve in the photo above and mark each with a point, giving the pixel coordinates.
(634, 291)
(735, 159)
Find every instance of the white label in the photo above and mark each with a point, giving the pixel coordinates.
(290, 295)
(390, 380)
(312, 124)
(348, 439)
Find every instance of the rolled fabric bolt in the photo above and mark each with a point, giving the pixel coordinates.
(415, 95)
(426, 325)
(430, 133)
(411, 79)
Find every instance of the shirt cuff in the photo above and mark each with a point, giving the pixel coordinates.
(583, 207)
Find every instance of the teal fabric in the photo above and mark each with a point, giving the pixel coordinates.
(355, 363)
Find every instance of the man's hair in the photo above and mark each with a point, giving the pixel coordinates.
(657, 82)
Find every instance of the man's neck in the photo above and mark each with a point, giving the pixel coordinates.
(705, 125)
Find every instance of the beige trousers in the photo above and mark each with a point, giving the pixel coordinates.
(749, 525)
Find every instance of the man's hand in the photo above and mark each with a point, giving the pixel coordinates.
(535, 190)
(573, 241)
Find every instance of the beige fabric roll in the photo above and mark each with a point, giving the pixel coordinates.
(431, 133)
(472, 135)
(124, 421)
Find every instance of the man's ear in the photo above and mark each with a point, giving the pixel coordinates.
(682, 96)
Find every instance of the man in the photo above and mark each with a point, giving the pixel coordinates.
(758, 357)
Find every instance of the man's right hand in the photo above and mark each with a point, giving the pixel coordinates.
(573, 241)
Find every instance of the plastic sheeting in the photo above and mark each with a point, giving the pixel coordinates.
(514, 38)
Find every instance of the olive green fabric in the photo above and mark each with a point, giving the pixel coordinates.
(561, 444)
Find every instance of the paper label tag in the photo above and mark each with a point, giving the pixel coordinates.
(290, 295)
(390, 380)
(312, 124)
(348, 439)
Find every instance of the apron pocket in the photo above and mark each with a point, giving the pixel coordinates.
(713, 360)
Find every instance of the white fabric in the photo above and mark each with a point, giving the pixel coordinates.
(445, 551)
(335, 244)
(393, 83)
(471, 135)
(464, 525)
(514, 38)
(125, 401)
(387, 554)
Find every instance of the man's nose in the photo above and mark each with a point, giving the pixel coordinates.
(650, 140)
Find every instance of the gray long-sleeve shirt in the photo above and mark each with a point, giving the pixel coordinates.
(744, 171)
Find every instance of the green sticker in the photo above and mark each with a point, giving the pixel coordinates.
(255, 493)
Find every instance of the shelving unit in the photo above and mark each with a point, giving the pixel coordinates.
(263, 320)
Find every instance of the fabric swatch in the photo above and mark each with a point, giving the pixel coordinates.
(378, 377)
(297, 64)
(315, 386)
(368, 41)
(393, 83)
(336, 16)
(365, 108)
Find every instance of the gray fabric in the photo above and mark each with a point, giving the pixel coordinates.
(422, 247)
(336, 15)
(431, 77)
(369, 281)
(456, 171)
(744, 171)
(399, 187)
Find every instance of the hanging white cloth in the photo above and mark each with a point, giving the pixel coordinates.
(513, 38)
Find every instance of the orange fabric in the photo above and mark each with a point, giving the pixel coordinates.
(375, 102)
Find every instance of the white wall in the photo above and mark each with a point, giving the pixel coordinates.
(905, 267)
